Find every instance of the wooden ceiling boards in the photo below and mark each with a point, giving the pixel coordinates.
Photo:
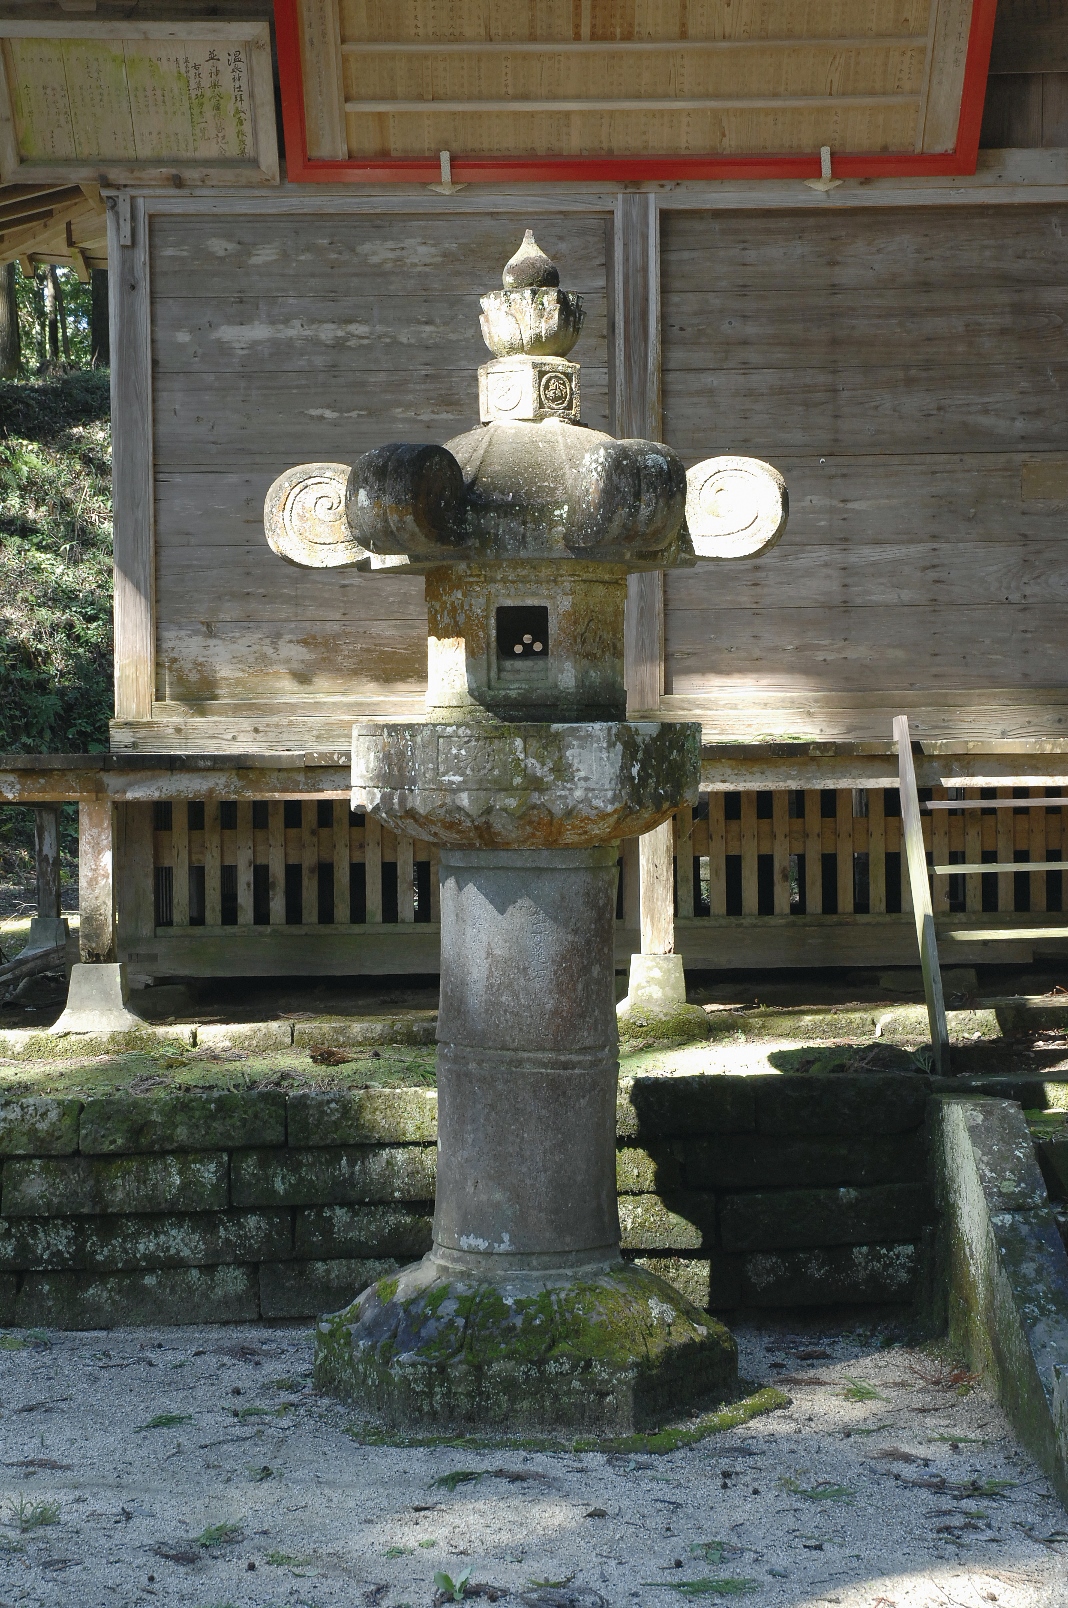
(126, 102)
(375, 90)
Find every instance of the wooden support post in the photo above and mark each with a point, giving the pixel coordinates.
(940, 855)
(342, 864)
(843, 849)
(180, 862)
(96, 884)
(973, 854)
(750, 881)
(813, 854)
(435, 883)
(372, 854)
(684, 861)
(876, 852)
(780, 849)
(46, 831)
(132, 467)
(212, 864)
(244, 863)
(405, 879)
(309, 856)
(717, 862)
(1036, 834)
(1006, 820)
(916, 863)
(657, 891)
(276, 861)
(632, 918)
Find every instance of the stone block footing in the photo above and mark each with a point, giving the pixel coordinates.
(306, 1289)
(613, 1351)
(655, 1006)
(96, 1001)
(118, 1300)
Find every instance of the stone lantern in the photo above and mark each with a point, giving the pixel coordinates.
(527, 774)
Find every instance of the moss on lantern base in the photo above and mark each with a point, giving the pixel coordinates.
(616, 1352)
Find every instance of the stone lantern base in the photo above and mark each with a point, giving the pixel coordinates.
(608, 1350)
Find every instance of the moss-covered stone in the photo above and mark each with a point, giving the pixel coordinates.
(345, 1031)
(910, 1024)
(126, 1124)
(21, 1044)
(616, 1352)
(864, 1103)
(111, 1300)
(829, 1277)
(749, 1161)
(333, 1177)
(676, 1024)
(306, 1289)
(646, 1172)
(146, 1240)
(652, 1108)
(690, 1275)
(802, 1025)
(647, 1224)
(78, 1185)
(363, 1117)
(330, 1232)
(36, 1126)
(245, 1036)
(673, 1437)
(796, 1219)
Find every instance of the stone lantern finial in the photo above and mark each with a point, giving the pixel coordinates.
(530, 326)
(530, 268)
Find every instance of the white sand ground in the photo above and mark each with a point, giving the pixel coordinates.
(916, 1496)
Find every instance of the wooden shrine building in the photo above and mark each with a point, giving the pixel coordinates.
(832, 235)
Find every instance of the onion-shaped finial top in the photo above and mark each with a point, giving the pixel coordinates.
(530, 268)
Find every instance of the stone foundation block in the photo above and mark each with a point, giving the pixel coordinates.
(849, 1275)
(797, 1219)
(330, 1232)
(908, 1024)
(96, 1001)
(225, 1121)
(266, 1036)
(333, 1177)
(364, 1117)
(116, 1300)
(33, 1126)
(20, 1044)
(307, 1289)
(869, 1103)
(661, 1108)
(644, 1172)
(125, 1244)
(691, 1276)
(78, 1186)
(345, 1032)
(647, 1224)
(750, 1160)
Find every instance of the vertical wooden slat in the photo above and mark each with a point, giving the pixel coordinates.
(876, 852)
(780, 837)
(973, 854)
(135, 901)
(435, 883)
(813, 854)
(276, 861)
(372, 851)
(309, 859)
(717, 863)
(632, 916)
(843, 848)
(1006, 852)
(750, 883)
(342, 863)
(657, 891)
(684, 860)
(46, 845)
(939, 854)
(244, 863)
(1036, 838)
(180, 861)
(405, 879)
(916, 866)
(96, 887)
(212, 864)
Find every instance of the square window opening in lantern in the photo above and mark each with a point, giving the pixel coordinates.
(522, 633)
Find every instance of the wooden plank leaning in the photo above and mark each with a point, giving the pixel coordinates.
(916, 861)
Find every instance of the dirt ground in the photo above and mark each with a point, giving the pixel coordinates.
(198, 1467)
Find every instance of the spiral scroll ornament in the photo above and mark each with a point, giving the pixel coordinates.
(735, 507)
(304, 517)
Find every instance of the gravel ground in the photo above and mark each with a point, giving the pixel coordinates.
(888, 1483)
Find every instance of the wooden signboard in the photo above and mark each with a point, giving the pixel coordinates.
(137, 102)
(474, 90)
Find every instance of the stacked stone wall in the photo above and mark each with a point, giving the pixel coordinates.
(765, 1191)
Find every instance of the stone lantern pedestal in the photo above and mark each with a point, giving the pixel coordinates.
(524, 1314)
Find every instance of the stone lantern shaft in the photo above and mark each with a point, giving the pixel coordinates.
(527, 774)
